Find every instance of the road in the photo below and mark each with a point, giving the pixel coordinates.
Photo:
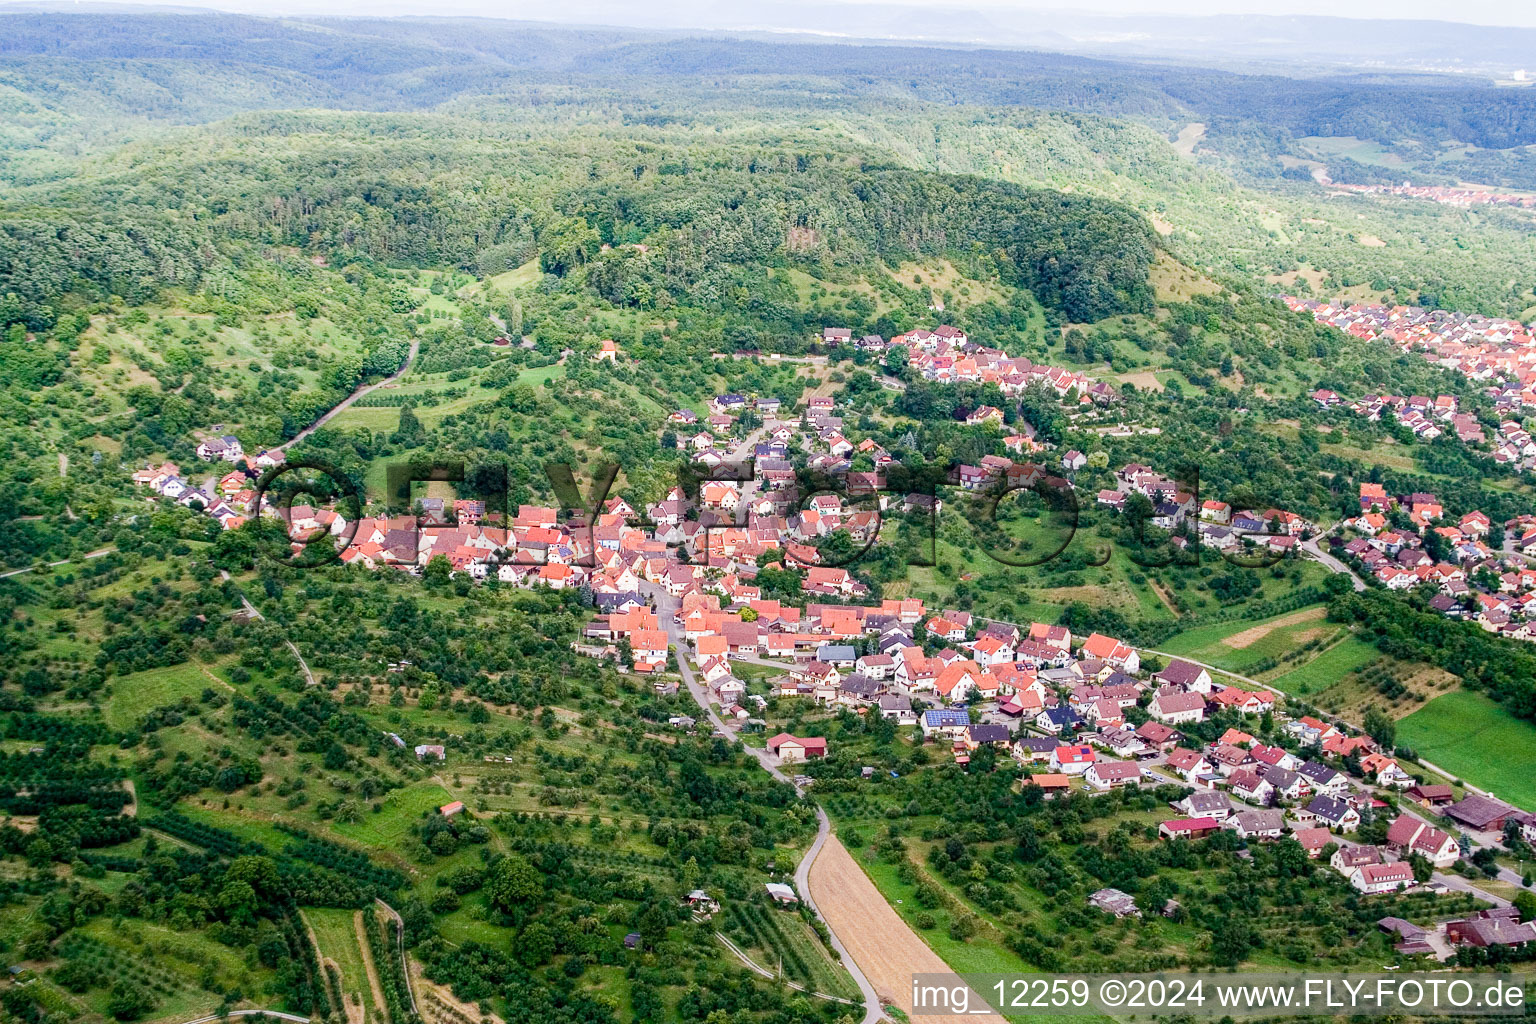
(405, 964)
(1313, 548)
(666, 611)
(276, 1014)
(54, 565)
(341, 406)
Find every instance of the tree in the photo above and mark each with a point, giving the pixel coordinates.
(513, 883)
(1231, 939)
(534, 945)
(1380, 727)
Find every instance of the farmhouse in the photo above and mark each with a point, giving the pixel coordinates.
(1480, 813)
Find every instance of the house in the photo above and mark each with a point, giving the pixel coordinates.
(1313, 840)
(431, 750)
(977, 736)
(781, 893)
(450, 809)
(226, 448)
(1051, 782)
(1248, 785)
(1189, 763)
(1377, 878)
(1331, 811)
(1265, 824)
(1188, 828)
(1073, 760)
(1058, 720)
(793, 748)
(1185, 675)
(1408, 836)
(836, 655)
(1113, 774)
(1158, 735)
(1177, 708)
(1387, 771)
(1324, 779)
(1113, 901)
(898, 707)
(1111, 652)
(1206, 803)
(1287, 785)
(945, 722)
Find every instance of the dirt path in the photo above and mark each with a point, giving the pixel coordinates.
(1253, 634)
(1163, 596)
(433, 993)
(380, 1005)
(355, 1013)
(886, 950)
(354, 396)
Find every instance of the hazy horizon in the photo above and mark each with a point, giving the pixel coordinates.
(782, 17)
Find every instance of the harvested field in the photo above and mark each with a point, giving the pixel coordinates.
(1252, 635)
(881, 944)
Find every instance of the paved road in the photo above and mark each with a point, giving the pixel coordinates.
(325, 418)
(666, 610)
(1313, 548)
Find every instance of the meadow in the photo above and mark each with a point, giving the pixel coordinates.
(1475, 739)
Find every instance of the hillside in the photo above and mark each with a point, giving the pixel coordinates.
(489, 506)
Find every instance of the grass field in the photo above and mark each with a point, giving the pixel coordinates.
(402, 809)
(1242, 645)
(1471, 736)
(135, 695)
(336, 936)
(1328, 667)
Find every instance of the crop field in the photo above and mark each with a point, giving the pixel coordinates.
(780, 941)
(887, 950)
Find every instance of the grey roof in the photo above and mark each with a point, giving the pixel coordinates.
(989, 733)
(1205, 801)
(1329, 808)
(835, 652)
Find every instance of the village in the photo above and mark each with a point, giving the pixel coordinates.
(674, 594)
(1498, 354)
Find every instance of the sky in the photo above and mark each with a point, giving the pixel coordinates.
(710, 14)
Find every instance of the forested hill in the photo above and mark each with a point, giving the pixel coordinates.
(712, 218)
(141, 63)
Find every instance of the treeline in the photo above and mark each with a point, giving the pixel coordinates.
(1505, 670)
